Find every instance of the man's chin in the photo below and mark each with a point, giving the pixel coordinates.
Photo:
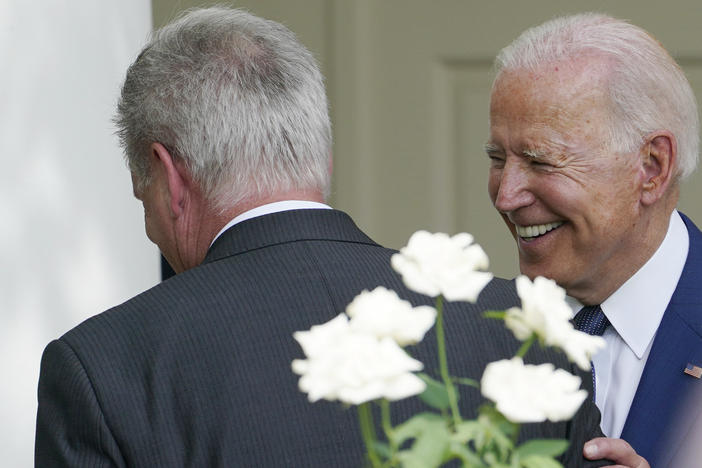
(534, 269)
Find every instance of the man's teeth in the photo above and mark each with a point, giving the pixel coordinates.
(536, 229)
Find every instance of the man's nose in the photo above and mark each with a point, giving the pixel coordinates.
(513, 191)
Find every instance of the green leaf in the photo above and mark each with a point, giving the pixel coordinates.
(538, 461)
(503, 443)
(411, 460)
(493, 462)
(467, 431)
(435, 394)
(490, 413)
(543, 447)
(415, 425)
(467, 382)
(463, 453)
(431, 440)
(497, 436)
(382, 449)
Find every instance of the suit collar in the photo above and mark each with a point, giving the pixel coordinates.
(269, 208)
(649, 290)
(687, 297)
(284, 227)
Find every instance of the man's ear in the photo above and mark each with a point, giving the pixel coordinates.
(659, 159)
(176, 178)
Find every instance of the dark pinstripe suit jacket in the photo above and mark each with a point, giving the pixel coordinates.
(196, 371)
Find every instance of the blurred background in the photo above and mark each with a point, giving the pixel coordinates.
(408, 84)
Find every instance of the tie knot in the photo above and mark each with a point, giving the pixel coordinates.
(591, 320)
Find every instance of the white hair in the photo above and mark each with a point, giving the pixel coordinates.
(236, 98)
(647, 89)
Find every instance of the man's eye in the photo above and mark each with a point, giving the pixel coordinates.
(541, 165)
(496, 161)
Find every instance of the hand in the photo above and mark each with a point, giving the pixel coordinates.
(617, 450)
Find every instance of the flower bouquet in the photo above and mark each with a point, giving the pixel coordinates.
(361, 358)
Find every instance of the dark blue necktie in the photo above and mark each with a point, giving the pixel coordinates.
(592, 321)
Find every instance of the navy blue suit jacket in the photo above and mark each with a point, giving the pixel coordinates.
(667, 401)
(197, 370)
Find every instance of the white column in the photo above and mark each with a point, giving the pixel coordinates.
(72, 240)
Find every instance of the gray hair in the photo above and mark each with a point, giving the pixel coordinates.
(647, 89)
(234, 97)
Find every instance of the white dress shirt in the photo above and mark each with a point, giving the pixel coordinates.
(635, 310)
(274, 207)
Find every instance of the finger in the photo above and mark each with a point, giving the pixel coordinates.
(617, 450)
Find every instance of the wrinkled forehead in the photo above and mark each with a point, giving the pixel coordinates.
(558, 105)
(584, 75)
(559, 91)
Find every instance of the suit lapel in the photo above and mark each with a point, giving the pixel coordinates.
(658, 416)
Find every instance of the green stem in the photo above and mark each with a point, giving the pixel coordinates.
(443, 362)
(386, 421)
(495, 314)
(515, 433)
(526, 345)
(365, 419)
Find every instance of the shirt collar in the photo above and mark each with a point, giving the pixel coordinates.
(269, 208)
(635, 309)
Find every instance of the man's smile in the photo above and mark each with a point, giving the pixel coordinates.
(535, 230)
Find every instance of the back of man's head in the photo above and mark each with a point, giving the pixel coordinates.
(647, 89)
(235, 98)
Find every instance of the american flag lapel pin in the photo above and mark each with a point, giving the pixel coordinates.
(693, 370)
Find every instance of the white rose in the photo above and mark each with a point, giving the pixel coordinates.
(382, 313)
(529, 393)
(516, 321)
(580, 347)
(546, 313)
(434, 264)
(544, 308)
(319, 338)
(353, 367)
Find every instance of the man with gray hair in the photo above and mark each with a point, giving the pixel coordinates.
(223, 117)
(593, 127)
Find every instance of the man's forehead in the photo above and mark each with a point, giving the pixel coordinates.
(549, 105)
(554, 139)
(586, 75)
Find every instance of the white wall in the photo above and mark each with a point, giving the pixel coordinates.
(72, 241)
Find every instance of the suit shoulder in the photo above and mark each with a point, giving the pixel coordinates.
(501, 284)
(136, 313)
(500, 293)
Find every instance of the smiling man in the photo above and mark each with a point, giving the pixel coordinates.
(593, 126)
